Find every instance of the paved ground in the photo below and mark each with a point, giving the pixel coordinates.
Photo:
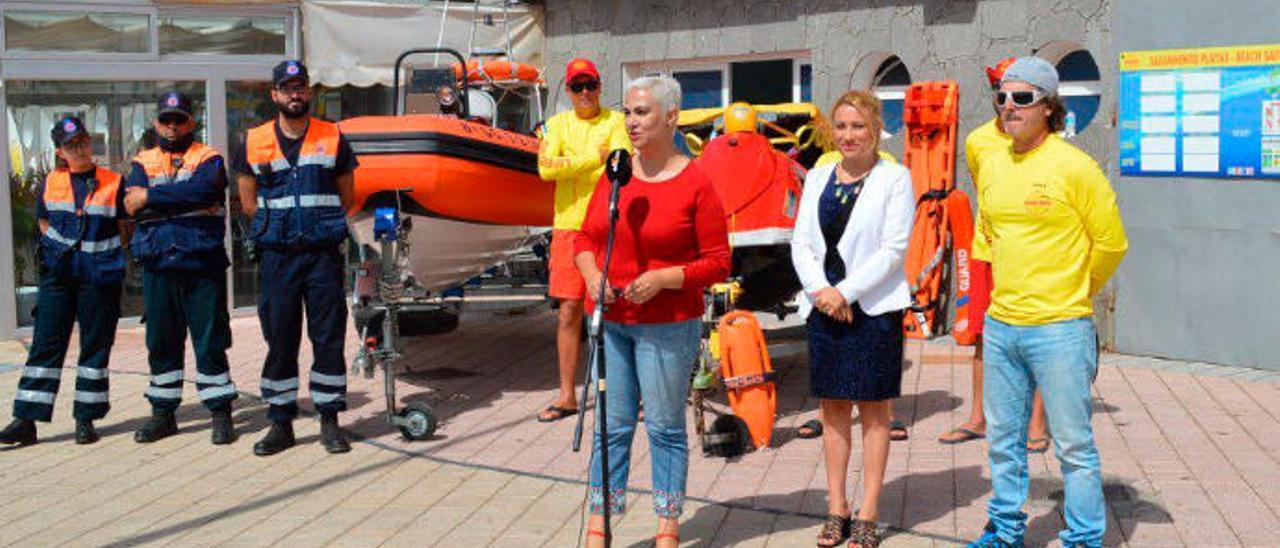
(1190, 451)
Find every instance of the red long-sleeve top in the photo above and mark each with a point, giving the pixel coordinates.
(677, 222)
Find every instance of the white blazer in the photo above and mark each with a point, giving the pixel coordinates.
(874, 244)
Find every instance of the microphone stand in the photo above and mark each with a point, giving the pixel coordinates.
(618, 170)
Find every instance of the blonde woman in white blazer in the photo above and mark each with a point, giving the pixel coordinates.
(848, 246)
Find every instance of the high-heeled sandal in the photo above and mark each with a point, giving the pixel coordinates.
(834, 531)
(864, 534)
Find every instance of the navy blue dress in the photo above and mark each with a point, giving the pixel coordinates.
(861, 361)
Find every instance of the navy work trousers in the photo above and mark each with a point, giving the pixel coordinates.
(61, 302)
(292, 281)
(175, 303)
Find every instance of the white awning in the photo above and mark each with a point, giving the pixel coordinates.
(349, 42)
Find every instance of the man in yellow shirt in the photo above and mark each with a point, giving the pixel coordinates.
(987, 138)
(574, 147)
(1054, 237)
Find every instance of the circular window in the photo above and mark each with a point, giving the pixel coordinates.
(887, 76)
(1079, 87)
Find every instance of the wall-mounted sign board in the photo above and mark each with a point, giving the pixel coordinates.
(1210, 112)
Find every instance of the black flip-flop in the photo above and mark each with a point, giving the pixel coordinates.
(898, 431)
(555, 413)
(1038, 448)
(814, 428)
(965, 435)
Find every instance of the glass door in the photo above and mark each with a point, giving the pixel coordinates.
(118, 114)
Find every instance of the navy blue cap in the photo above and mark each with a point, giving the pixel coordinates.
(287, 70)
(67, 129)
(174, 102)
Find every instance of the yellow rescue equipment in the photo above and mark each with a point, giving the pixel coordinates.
(740, 117)
(736, 118)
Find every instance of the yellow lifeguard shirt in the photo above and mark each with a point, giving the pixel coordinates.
(570, 156)
(1051, 223)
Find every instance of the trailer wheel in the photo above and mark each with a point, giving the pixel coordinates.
(421, 422)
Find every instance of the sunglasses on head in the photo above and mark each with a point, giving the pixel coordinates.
(589, 85)
(1019, 98)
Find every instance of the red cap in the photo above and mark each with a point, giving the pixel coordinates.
(580, 67)
(996, 73)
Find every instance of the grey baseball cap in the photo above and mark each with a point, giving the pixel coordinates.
(1034, 71)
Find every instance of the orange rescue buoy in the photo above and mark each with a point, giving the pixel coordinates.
(748, 374)
(481, 70)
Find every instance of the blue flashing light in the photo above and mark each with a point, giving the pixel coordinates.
(385, 222)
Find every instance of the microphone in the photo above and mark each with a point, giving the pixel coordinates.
(618, 167)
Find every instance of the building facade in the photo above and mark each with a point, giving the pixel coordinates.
(107, 62)
(1198, 283)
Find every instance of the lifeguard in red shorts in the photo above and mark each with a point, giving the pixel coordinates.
(988, 137)
(574, 147)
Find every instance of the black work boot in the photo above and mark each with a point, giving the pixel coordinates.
(85, 433)
(221, 430)
(161, 425)
(19, 432)
(278, 438)
(331, 436)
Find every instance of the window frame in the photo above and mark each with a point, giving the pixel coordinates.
(865, 71)
(290, 14)
(1057, 51)
(722, 64)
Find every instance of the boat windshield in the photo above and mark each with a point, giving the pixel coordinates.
(517, 106)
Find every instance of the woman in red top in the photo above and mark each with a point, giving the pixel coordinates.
(670, 244)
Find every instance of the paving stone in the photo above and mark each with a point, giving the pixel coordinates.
(1189, 452)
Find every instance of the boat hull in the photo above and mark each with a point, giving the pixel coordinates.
(448, 168)
(445, 253)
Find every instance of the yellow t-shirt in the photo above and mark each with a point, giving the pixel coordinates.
(1053, 227)
(986, 138)
(834, 156)
(570, 156)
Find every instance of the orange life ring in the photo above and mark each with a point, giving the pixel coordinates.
(480, 70)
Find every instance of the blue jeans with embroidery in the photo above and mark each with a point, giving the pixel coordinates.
(1061, 359)
(652, 362)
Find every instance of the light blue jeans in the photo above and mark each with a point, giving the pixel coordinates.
(652, 362)
(1062, 360)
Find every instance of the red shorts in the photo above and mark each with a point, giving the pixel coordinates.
(979, 293)
(566, 282)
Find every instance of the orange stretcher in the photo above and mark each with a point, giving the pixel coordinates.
(944, 221)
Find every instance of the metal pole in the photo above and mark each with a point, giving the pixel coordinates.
(598, 360)
(444, 16)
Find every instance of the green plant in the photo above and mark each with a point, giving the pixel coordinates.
(22, 205)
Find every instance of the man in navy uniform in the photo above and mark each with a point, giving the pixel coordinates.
(177, 192)
(295, 180)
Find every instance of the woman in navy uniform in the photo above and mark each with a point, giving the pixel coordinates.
(82, 268)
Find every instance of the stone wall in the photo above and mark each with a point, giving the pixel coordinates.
(936, 40)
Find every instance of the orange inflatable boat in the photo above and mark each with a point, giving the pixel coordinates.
(748, 374)
(448, 168)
